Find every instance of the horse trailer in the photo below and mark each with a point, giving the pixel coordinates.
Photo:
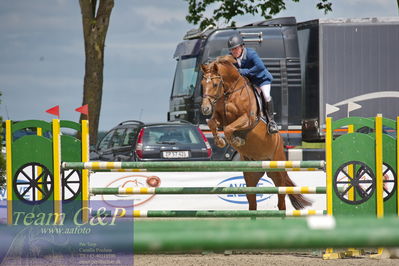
(323, 67)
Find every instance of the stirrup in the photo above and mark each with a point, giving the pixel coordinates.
(272, 127)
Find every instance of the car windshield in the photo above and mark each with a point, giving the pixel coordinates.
(185, 77)
(171, 135)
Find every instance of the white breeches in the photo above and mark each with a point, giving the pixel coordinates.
(265, 91)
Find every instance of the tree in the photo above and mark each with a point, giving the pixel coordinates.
(95, 18)
(228, 9)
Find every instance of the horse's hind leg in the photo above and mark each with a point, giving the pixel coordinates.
(298, 201)
(251, 180)
(281, 179)
(278, 180)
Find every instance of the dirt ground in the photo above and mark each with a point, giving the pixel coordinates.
(242, 258)
(298, 259)
(251, 259)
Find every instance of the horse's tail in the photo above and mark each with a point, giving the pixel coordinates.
(298, 201)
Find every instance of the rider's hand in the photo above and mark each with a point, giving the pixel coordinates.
(243, 71)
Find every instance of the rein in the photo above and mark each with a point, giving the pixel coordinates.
(216, 97)
(213, 99)
(229, 92)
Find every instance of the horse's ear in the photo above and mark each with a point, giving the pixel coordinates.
(204, 68)
(214, 68)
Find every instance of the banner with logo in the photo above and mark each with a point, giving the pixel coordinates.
(199, 179)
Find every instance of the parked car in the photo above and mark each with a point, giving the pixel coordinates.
(137, 141)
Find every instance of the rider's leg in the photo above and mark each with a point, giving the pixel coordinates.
(259, 101)
(272, 126)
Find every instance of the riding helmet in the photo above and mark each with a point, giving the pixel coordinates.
(235, 41)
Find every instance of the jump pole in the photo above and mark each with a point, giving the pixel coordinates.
(218, 235)
(207, 190)
(57, 170)
(9, 171)
(207, 213)
(378, 175)
(397, 160)
(312, 232)
(211, 166)
(196, 169)
(329, 166)
(378, 166)
(85, 173)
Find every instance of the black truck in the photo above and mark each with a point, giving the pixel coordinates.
(334, 67)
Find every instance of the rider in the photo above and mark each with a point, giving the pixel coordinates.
(251, 66)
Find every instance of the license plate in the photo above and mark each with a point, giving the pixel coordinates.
(175, 154)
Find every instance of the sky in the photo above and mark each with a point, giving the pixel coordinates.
(42, 54)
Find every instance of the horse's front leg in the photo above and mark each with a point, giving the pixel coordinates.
(213, 124)
(239, 124)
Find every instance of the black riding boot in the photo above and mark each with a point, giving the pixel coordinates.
(272, 125)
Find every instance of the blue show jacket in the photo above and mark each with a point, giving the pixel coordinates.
(253, 68)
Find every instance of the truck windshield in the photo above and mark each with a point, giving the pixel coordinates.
(185, 77)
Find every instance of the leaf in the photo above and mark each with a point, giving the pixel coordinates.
(227, 10)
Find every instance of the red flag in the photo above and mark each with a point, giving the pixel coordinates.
(54, 111)
(83, 109)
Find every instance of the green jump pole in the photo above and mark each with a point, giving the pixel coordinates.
(265, 165)
(207, 190)
(237, 213)
(233, 234)
(313, 232)
(209, 213)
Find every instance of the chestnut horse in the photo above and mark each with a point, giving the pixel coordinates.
(232, 103)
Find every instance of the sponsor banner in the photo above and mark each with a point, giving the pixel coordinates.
(198, 179)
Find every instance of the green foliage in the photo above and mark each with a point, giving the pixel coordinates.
(2, 160)
(228, 9)
(324, 5)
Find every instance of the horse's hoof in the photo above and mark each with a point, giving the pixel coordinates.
(220, 142)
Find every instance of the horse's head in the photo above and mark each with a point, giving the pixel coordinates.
(212, 87)
(217, 76)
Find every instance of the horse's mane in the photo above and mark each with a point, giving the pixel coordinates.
(227, 61)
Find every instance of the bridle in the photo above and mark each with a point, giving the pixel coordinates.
(219, 93)
(219, 90)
